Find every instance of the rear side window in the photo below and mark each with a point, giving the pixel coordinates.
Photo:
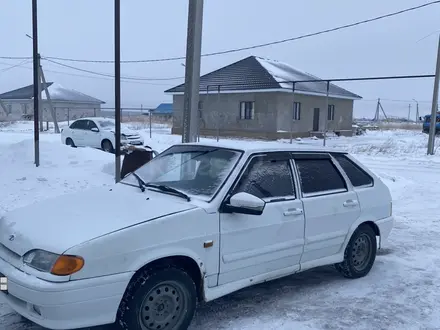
(319, 176)
(357, 176)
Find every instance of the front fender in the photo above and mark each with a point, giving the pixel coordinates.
(166, 252)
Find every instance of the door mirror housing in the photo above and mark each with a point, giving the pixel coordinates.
(244, 203)
(94, 129)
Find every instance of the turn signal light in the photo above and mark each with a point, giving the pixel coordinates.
(67, 265)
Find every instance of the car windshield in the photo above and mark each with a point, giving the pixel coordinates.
(106, 123)
(194, 170)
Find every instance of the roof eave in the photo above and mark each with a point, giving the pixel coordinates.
(272, 90)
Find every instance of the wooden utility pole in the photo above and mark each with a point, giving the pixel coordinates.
(409, 112)
(49, 100)
(192, 71)
(40, 108)
(3, 107)
(433, 122)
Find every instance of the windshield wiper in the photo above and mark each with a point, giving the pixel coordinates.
(141, 182)
(168, 189)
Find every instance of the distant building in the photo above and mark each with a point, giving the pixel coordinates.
(164, 109)
(68, 103)
(253, 98)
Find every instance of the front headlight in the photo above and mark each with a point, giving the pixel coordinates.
(53, 263)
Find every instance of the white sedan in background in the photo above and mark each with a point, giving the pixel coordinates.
(97, 133)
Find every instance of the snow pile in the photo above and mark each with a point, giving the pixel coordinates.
(62, 170)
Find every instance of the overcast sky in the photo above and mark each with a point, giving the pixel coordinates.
(83, 29)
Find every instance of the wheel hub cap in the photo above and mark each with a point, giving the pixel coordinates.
(361, 252)
(162, 308)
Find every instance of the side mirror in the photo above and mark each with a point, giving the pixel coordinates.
(94, 129)
(244, 203)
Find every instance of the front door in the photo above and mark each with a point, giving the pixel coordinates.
(92, 139)
(329, 206)
(78, 130)
(316, 120)
(258, 244)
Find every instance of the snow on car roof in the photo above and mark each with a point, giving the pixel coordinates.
(251, 147)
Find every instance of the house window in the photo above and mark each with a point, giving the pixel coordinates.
(296, 111)
(247, 110)
(331, 112)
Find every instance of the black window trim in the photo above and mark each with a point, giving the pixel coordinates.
(284, 155)
(358, 167)
(319, 155)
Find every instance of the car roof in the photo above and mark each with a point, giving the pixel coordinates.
(94, 118)
(254, 147)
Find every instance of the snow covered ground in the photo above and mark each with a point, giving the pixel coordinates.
(401, 292)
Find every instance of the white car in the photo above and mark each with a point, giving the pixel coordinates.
(196, 223)
(97, 132)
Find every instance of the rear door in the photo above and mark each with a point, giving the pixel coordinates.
(330, 205)
(252, 245)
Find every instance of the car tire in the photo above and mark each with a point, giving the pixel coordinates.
(360, 253)
(163, 299)
(107, 146)
(70, 142)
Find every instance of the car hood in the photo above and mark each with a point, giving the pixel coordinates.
(58, 224)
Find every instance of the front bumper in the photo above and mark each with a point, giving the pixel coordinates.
(67, 305)
(132, 142)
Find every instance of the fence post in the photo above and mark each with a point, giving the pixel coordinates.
(293, 112)
(68, 116)
(150, 114)
(326, 114)
(218, 113)
(94, 112)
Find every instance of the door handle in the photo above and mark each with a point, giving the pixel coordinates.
(350, 202)
(293, 212)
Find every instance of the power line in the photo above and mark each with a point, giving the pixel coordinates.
(109, 75)
(235, 50)
(393, 100)
(14, 66)
(86, 76)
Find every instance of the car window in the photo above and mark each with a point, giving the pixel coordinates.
(358, 177)
(91, 124)
(267, 177)
(79, 124)
(319, 176)
(196, 170)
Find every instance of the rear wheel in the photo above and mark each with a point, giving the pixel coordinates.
(360, 253)
(70, 142)
(107, 146)
(159, 299)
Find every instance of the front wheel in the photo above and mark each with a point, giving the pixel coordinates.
(107, 146)
(159, 299)
(360, 253)
(70, 142)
